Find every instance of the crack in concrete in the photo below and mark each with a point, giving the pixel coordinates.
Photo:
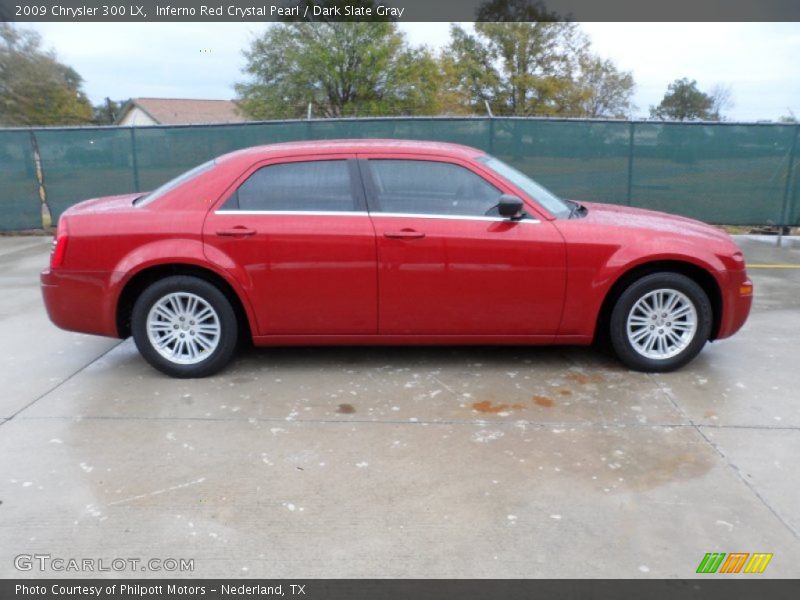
(723, 456)
(59, 384)
(482, 423)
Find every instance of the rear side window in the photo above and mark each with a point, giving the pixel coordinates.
(430, 187)
(322, 185)
(173, 183)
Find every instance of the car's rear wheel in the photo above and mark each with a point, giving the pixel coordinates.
(184, 326)
(660, 322)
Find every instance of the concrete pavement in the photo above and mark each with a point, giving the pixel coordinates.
(400, 462)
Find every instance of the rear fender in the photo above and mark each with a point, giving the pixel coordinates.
(181, 251)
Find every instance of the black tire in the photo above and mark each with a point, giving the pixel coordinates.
(226, 318)
(634, 358)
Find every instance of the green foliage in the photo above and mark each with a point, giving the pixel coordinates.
(606, 90)
(342, 69)
(521, 61)
(36, 89)
(536, 68)
(684, 102)
(107, 112)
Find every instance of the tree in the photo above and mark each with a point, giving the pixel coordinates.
(721, 99)
(341, 68)
(107, 112)
(541, 68)
(607, 91)
(36, 89)
(471, 77)
(683, 101)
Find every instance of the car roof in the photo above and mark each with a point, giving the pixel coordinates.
(356, 145)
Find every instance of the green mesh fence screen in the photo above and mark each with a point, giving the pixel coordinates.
(84, 163)
(728, 173)
(20, 207)
(720, 173)
(582, 160)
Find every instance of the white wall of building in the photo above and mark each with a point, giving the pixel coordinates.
(137, 117)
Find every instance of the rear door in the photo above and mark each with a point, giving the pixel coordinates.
(297, 234)
(448, 264)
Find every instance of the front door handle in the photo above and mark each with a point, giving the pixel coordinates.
(404, 234)
(238, 231)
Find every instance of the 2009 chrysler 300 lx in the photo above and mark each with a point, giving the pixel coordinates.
(385, 242)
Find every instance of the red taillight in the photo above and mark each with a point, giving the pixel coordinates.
(59, 244)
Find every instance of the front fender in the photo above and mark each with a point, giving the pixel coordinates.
(589, 285)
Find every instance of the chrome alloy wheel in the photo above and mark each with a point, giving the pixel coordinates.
(662, 324)
(183, 328)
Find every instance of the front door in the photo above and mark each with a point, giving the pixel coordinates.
(449, 265)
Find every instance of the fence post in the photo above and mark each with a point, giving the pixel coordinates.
(46, 213)
(793, 194)
(787, 188)
(630, 164)
(135, 161)
(491, 135)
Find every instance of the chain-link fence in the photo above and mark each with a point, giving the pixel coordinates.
(727, 173)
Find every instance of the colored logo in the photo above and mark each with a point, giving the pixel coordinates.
(736, 562)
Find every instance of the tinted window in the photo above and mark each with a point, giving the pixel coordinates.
(313, 186)
(427, 187)
(173, 183)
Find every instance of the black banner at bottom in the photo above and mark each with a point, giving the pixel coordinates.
(389, 589)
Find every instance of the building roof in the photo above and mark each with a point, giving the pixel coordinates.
(185, 111)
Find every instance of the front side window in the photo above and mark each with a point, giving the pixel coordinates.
(321, 186)
(431, 188)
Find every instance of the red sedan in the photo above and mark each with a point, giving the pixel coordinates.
(385, 242)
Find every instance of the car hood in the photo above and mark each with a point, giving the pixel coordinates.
(642, 219)
(104, 204)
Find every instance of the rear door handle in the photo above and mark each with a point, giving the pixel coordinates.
(236, 232)
(404, 234)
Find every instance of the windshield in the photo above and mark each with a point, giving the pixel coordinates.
(172, 184)
(543, 196)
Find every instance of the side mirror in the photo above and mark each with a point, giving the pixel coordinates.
(510, 207)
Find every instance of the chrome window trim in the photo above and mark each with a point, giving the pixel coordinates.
(313, 213)
(343, 213)
(455, 217)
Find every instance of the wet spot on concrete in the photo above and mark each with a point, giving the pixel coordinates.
(346, 409)
(565, 392)
(617, 463)
(543, 401)
(584, 379)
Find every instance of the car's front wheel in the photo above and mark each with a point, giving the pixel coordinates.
(660, 322)
(184, 326)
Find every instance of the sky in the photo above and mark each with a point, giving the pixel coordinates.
(758, 61)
